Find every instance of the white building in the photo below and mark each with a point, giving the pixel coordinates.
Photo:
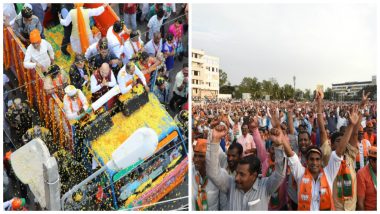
(351, 88)
(205, 75)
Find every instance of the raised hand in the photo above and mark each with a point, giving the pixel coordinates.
(290, 105)
(365, 99)
(277, 137)
(274, 118)
(254, 122)
(353, 115)
(319, 97)
(218, 133)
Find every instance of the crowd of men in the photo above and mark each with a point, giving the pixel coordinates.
(146, 39)
(284, 155)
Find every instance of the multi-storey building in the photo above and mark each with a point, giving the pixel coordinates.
(205, 75)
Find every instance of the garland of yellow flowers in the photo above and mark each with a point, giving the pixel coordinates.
(45, 99)
(20, 79)
(52, 119)
(19, 69)
(39, 104)
(28, 78)
(6, 48)
(60, 126)
(6, 53)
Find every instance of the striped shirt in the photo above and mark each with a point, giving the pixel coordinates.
(257, 198)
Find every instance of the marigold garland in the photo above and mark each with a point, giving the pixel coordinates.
(60, 126)
(52, 119)
(19, 77)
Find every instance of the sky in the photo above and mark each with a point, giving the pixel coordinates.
(318, 43)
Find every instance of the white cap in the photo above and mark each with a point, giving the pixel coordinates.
(17, 101)
(70, 90)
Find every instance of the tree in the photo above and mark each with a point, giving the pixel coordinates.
(307, 94)
(226, 89)
(288, 92)
(328, 94)
(298, 94)
(252, 86)
(267, 87)
(276, 91)
(223, 79)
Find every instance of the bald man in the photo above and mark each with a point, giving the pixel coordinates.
(102, 80)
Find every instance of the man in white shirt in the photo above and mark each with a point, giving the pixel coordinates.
(155, 24)
(102, 80)
(314, 182)
(154, 46)
(180, 88)
(93, 50)
(246, 141)
(39, 53)
(74, 103)
(342, 121)
(75, 40)
(133, 46)
(115, 39)
(127, 77)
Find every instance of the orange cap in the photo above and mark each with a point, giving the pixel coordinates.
(17, 204)
(201, 146)
(361, 129)
(8, 155)
(372, 152)
(35, 36)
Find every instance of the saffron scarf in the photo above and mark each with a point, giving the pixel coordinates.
(201, 204)
(84, 43)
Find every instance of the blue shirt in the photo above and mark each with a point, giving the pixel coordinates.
(169, 61)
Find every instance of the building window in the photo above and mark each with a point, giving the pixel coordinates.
(196, 73)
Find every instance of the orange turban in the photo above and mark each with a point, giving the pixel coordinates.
(35, 36)
(201, 146)
(18, 203)
(8, 156)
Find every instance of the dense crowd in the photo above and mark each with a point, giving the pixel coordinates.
(284, 155)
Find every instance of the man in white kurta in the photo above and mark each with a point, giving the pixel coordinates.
(154, 46)
(72, 17)
(115, 39)
(127, 75)
(155, 23)
(39, 53)
(132, 47)
(74, 103)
